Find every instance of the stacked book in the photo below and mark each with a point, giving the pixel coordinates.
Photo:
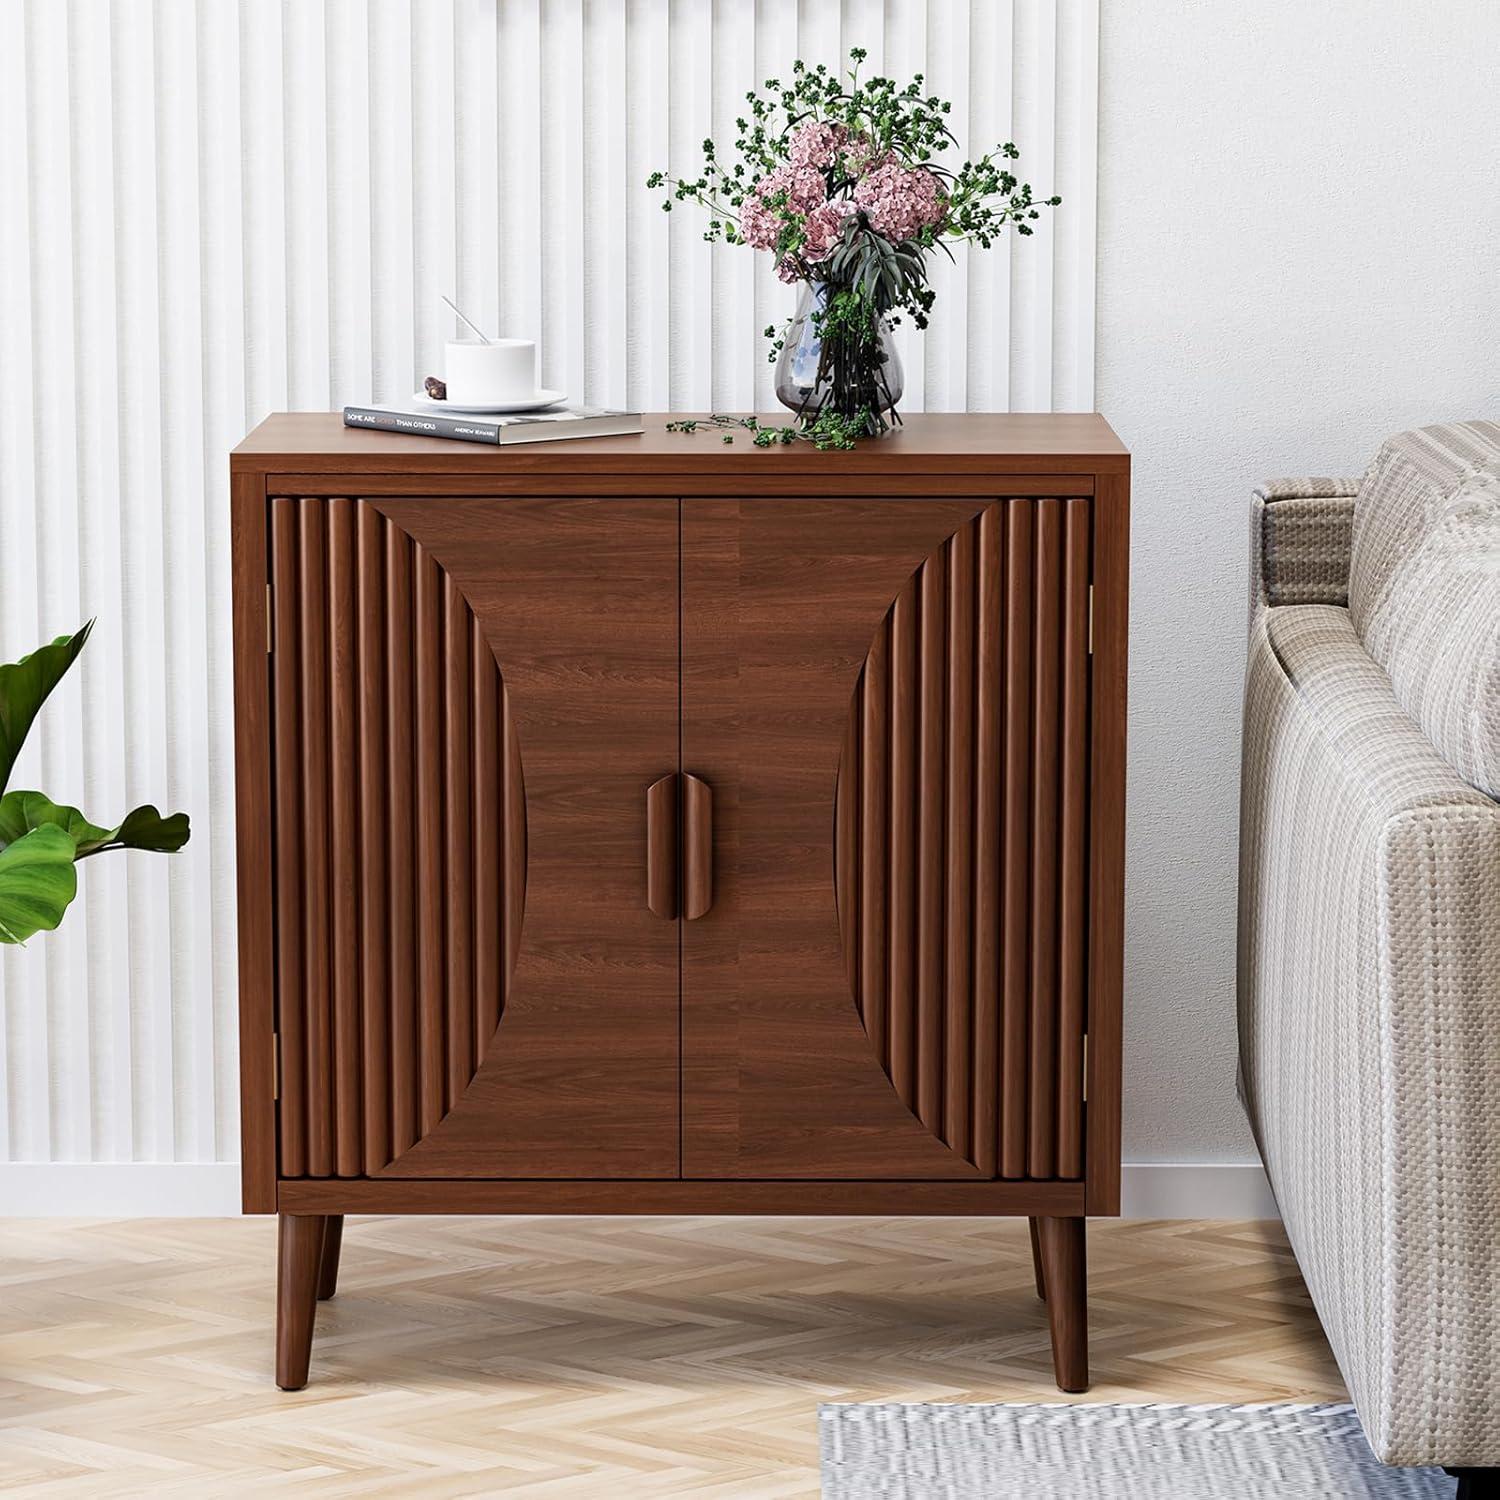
(551, 425)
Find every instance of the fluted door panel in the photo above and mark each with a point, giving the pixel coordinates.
(961, 839)
(400, 837)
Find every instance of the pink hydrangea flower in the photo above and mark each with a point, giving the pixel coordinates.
(823, 227)
(900, 200)
(805, 192)
(815, 144)
(759, 224)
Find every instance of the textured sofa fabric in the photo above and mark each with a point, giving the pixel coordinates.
(1299, 541)
(1424, 585)
(1436, 628)
(1399, 497)
(1369, 1010)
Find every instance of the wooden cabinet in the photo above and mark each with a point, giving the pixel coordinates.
(650, 825)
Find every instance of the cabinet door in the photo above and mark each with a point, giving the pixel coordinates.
(887, 704)
(471, 697)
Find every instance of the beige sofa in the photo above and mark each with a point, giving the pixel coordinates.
(1369, 922)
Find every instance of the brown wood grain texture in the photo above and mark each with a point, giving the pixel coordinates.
(902, 1197)
(1111, 579)
(1041, 1073)
(373, 963)
(488, 842)
(314, 991)
(290, 831)
(902, 916)
(576, 601)
(796, 1079)
(299, 1264)
(340, 762)
(513, 863)
(328, 1256)
(905, 699)
(400, 825)
(253, 622)
(1015, 898)
(343, 842)
(427, 650)
(1064, 1274)
(697, 847)
(928, 453)
(458, 883)
(987, 794)
(661, 846)
(958, 733)
(990, 833)
(1046, 670)
(1038, 1270)
(874, 713)
(846, 831)
(1073, 833)
(393, 915)
(932, 690)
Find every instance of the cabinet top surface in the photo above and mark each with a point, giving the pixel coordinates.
(318, 442)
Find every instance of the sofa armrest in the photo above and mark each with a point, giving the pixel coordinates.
(1440, 1026)
(1369, 1000)
(1299, 542)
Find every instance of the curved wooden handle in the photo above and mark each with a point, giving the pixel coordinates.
(697, 846)
(661, 847)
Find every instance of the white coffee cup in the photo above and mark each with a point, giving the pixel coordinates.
(492, 374)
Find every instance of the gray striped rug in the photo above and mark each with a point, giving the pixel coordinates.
(926, 1452)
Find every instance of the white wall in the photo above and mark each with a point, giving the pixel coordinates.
(1299, 252)
(213, 211)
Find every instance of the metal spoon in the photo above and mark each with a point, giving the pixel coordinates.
(483, 336)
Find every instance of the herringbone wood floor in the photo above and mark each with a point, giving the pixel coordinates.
(588, 1357)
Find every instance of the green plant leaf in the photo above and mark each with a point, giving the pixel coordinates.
(22, 812)
(143, 828)
(24, 686)
(37, 881)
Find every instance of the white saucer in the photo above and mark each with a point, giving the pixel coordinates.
(534, 402)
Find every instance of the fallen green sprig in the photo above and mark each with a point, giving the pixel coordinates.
(828, 430)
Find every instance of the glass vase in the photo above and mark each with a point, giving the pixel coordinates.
(846, 375)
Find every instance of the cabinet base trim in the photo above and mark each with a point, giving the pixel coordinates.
(678, 1196)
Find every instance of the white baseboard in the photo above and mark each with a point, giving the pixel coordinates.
(119, 1190)
(149, 1190)
(1196, 1190)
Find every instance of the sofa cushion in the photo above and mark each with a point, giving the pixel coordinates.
(1424, 586)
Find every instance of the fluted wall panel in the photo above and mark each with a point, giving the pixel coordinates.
(215, 210)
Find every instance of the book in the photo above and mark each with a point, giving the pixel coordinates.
(552, 425)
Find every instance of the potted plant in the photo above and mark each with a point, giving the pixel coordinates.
(41, 841)
(841, 180)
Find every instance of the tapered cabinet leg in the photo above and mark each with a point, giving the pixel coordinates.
(1036, 1260)
(328, 1267)
(1063, 1271)
(299, 1263)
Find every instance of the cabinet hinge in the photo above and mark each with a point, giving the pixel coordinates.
(1085, 1067)
(270, 626)
(1091, 619)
